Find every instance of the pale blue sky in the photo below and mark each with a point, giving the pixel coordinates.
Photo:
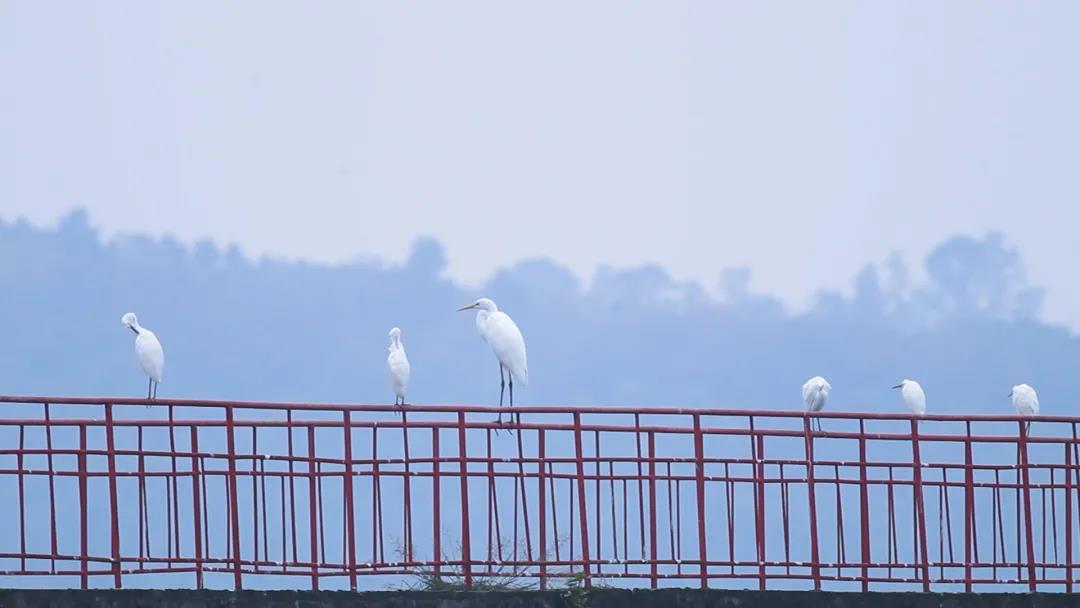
(802, 140)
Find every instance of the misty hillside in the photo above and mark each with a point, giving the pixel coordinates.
(233, 327)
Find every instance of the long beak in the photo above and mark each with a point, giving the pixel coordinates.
(466, 307)
(1009, 395)
(133, 329)
(898, 386)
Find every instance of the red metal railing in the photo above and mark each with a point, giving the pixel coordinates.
(204, 493)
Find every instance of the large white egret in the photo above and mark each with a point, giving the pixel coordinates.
(506, 341)
(814, 393)
(148, 351)
(914, 397)
(397, 365)
(1026, 401)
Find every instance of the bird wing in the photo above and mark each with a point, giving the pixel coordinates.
(150, 354)
(398, 366)
(914, 398)
(809, 392)
(508, 345)
(1027, 404)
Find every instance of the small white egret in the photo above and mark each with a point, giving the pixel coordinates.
(506, 341)
(1026, 402)
(148, 351)
(914, 397)
(397, 365)
(814, 393)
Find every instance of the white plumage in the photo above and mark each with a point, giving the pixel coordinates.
(913, 396)
(814, 393)
(397, 366)
(1025, 400)
(148, 351)
(507, 343)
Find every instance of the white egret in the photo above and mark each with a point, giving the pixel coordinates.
(506, 341)
(148, 351)
(397, 365)
(1026, 402)
(814, 393)
(914, 397)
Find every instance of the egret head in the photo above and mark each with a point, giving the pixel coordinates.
(902, 383)
(1019, 388)
(481, 304)
(130, 321)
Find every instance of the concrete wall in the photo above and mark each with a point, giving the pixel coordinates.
(600, 598)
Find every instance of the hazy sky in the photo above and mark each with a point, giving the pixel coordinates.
(802, 140)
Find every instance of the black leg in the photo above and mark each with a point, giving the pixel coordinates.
(502, 390)
(502, 384)
(512, 392)
(155, 391)
(149, 388)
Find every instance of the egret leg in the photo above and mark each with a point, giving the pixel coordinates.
(502, 390)
(512, 395)
(155, 390)
(502, 385)
(149, 388)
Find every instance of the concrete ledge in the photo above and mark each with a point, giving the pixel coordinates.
(597, 598)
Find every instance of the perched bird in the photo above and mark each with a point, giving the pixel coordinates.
(506, 341)
(913, 396)
(397, 366)
(814, 393)
(1026, 402)
(148, 351)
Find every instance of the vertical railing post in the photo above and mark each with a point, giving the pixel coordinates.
(350, 523)
(583, 513)
(313, 509)
(541, 466)
(114, 508)
(84, 499)
(22, 497)
(969, 509)
(234, 503)
(699, 470)
(1068, 518)
(436, 507)
(54, 542)
(196, 505)
(653, 567)
(1026, 488)
(463, 470)
(759, 498)
(920, 506)
(808, 447)
(407, 521)
(864, 509)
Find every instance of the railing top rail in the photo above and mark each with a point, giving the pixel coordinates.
(528, 409)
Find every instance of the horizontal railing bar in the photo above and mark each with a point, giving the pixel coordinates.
(527, 409)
